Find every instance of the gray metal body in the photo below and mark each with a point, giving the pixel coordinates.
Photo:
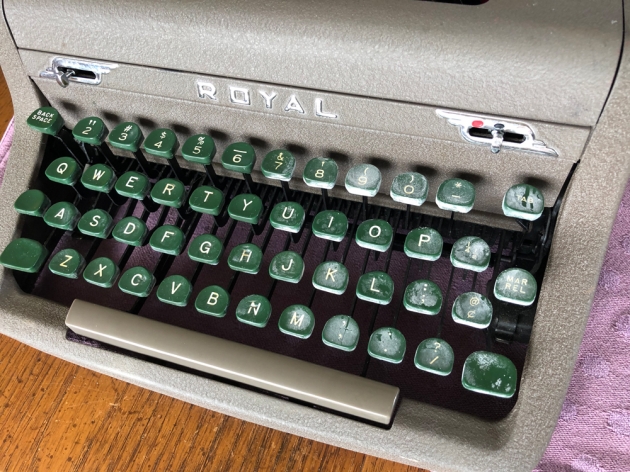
(384, 68)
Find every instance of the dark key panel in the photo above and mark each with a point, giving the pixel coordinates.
(438, 307)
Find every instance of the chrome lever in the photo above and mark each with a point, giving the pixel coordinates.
(62, 78)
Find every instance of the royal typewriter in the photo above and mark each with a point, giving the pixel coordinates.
(374, 224)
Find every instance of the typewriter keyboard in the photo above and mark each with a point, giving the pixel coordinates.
(436, 306)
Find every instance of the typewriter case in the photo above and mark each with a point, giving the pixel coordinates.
(384, 69)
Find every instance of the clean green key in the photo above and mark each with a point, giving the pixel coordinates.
(423, 296)
(516, 286)
(205, 248)
(254, 310)
(321, 172)
(101, 272)
(161, 142)
(63, 170)
(206, 199)
(97, 223)
(169, 192)
(24, 254)
(363, 179)
(331, 225)
(246, 258)
(375, 234)
(239, 157)
(341, 332)
(332, 277)
(410, 188)
(424, 243)
(45, 120)
(200, 149)
(246, 207)
(126, 136)
(98, 177)
(490, 374)
(168, 239)
(33, 202)
(287, 266)
(130, 230)
(137, 281)
(472, 309)
(523, 201)
(67, 263)
(387, 344)
(174, 290)
(213, 301)
(62, 215)
(298, 321)
(90, 130)
(436, 356)
(376, 287)
(472, 253)
(456, 195)
(287, 216)
(278, 165)
(133, 185)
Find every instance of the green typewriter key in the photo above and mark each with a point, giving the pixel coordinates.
(67, 263)
(207, 200)
(201, 149)
(32, 202)
(376, 287)
(174, 290)
(287, 216)
(246, 258)
(98, 177)
(254, 310)
(169, 192)
(516, 286)
(205, 248)
(278, 165)
(128, 136)
(298, 321)
(97, 223)
(213, 301)
(490, 374)
(321, 172)
(46, 120)
(130, 230)
(24, 255)
(523, 201)
(436, 356)
(341, 332)
(472, 253)
(423, 296)
(410, 188)
(331, 225)
(137, 281)
(246, 207)
(62, 215)
(240, 157)
(375, 234)
(387, 344)
(163, 143)
(332, 277)
(101, 272)
(472, 309)
(168, 239)
(364, 180)
(287, 266)
(424, 243)
(90, 130)
(64, 170)
(133, 185)
(456, 195)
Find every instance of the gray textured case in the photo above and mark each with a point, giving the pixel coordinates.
(384, 68)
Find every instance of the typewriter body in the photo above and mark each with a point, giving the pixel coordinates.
(238, 204)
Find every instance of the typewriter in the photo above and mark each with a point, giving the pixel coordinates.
(374, 224)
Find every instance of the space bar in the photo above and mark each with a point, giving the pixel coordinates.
(310, 383)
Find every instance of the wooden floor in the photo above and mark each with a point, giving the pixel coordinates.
(55, 416)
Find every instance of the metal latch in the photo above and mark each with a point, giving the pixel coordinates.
(65, 70)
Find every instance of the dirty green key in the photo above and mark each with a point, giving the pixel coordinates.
(168, 239)
(161, 142)
(456, 195)
(278, 165)
(200, 149)
(387, 344)
(376, 287)
(137, 281)
(90, 130)
(490, 374)
(98, 177)
(133, 185)
(523, 201)
(63, 170)
(239, 157)
(206, 199)
(434, 355)
(174, 290)
(375, 234)
(332, 277)
(97, 223)
(246, 258)
(254, 310)
(130, 230)
(126, 136)
(46, 120)
(423, 296)
(321, 172)
(213, 301)
(32, 202)
(298, 321)
(169, 192)
(516, 286)
(287, 216)
(410, 188)
(101, 272)
(246, 207)
(206, 248)
(287, 266)
(341, 332)
(472, 253)
(472, 309)
(363, 179)
(62, 215)
(67, 263)
(24, 254)
(424, 243)
(331, 225)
